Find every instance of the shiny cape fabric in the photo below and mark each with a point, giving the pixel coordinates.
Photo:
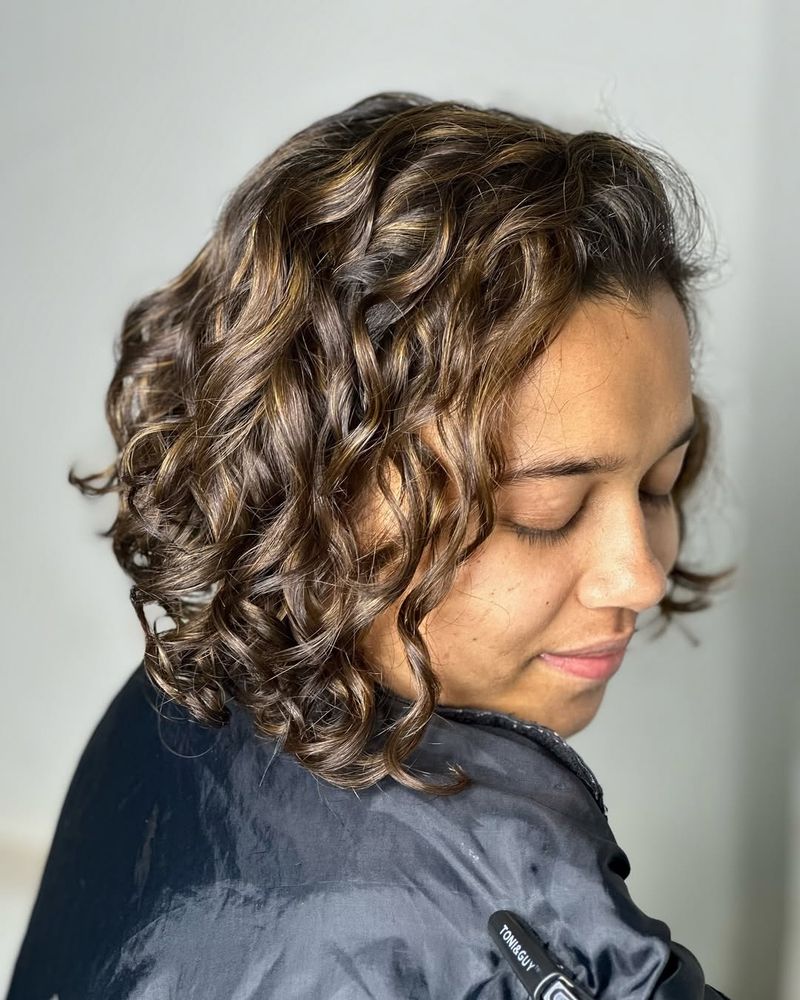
(192, 863)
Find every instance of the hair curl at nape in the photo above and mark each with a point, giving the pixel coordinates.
(397, 265)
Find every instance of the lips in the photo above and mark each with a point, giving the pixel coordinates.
(596, 668)
(597, 662)
(601, 648)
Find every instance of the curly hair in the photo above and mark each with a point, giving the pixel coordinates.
(394, 266)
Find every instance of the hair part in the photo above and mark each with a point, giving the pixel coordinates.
(391, 268)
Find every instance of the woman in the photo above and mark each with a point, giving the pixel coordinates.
(403, 455)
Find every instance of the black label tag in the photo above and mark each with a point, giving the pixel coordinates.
(539, 973)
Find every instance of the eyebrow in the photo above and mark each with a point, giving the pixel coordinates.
(586, 466)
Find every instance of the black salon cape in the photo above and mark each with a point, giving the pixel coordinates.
(192, 863)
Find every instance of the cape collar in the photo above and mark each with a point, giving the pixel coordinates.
(543, 736)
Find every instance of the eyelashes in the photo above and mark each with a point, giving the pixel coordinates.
(556, 536)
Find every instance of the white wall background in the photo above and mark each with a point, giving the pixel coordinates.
(123, 128)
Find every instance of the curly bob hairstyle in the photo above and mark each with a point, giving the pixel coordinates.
(397, 265)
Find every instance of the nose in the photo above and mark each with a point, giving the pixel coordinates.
(622, 571)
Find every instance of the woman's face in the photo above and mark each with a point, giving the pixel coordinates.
(612, 383)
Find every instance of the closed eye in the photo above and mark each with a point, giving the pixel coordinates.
(555, 536)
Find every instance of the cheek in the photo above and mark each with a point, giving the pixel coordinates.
(515, 586)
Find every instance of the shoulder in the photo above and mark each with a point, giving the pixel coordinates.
(130, 840)
(207, 854)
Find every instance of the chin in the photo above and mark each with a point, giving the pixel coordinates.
(579, 725)
(574, 722)
(565, 732)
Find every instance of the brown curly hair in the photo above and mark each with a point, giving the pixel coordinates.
(397, 265)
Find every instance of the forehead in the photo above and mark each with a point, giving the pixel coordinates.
(614, 379)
